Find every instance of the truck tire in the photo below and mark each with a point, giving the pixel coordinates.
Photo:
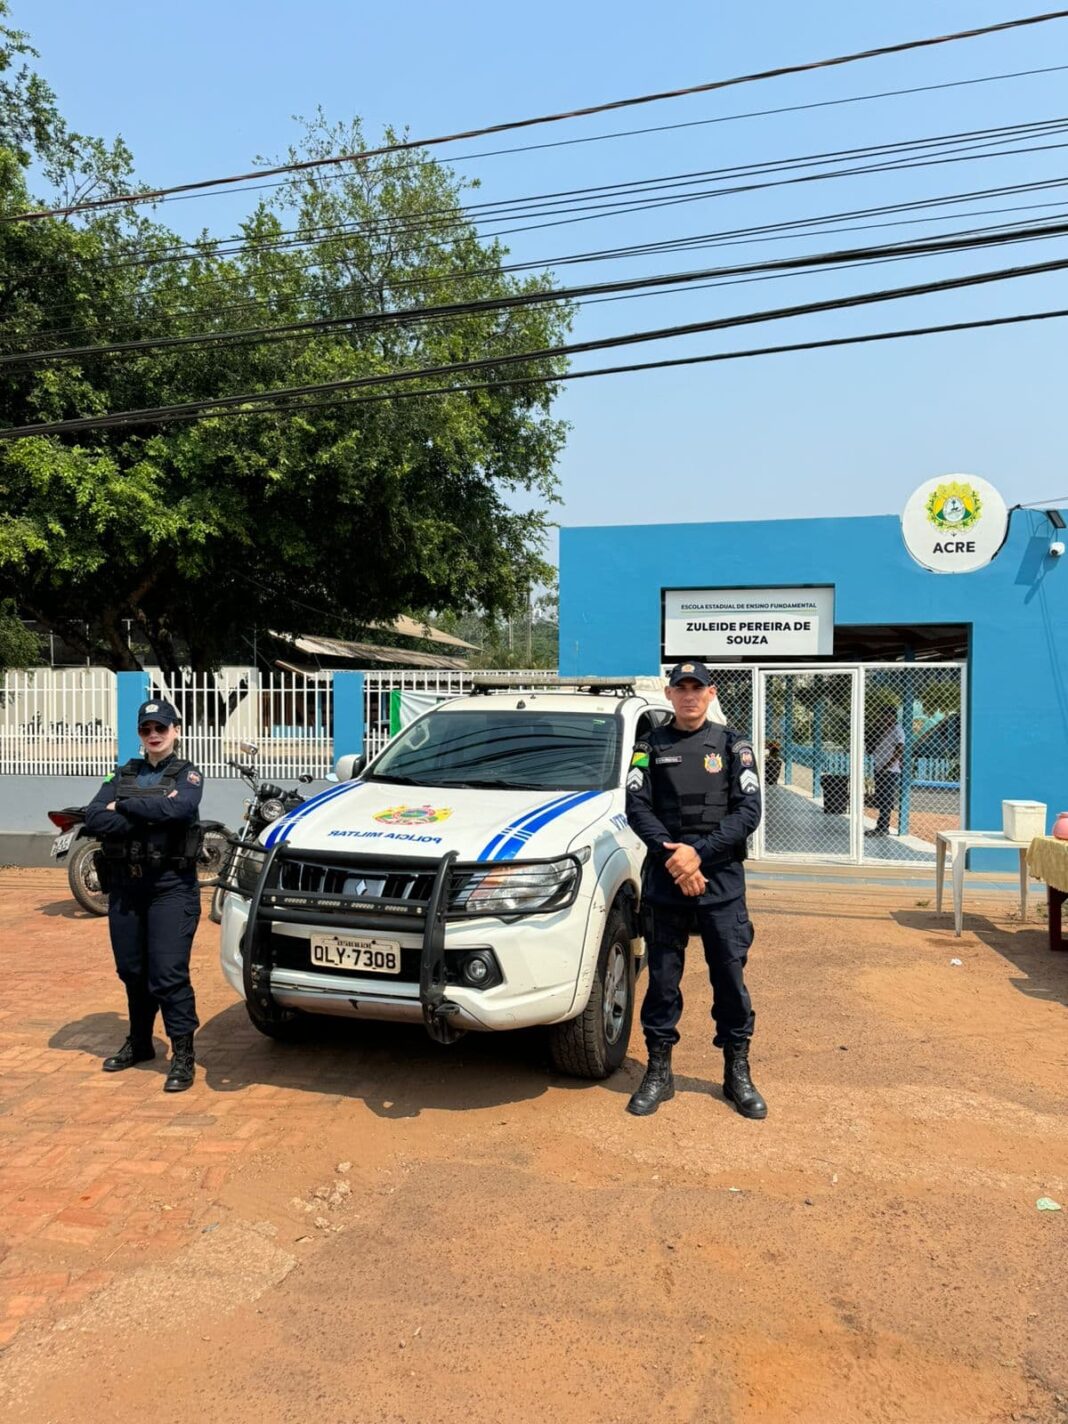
(284, 1025)
(595, 1044)
(83, 878)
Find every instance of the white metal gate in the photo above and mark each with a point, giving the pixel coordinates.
(288, 715)
(58, 722)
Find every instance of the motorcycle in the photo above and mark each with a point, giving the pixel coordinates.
(83, 873)
(266, 804)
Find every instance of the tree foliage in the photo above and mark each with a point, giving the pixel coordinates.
(199, 531)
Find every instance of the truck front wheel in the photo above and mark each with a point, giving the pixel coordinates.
(595, 1044)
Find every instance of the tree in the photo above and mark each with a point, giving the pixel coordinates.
(199, 531)
(19, 647)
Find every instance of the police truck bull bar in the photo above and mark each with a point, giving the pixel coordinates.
(429, 887)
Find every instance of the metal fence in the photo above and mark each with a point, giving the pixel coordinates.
(817, 732)
(58, 722)
(288, 716)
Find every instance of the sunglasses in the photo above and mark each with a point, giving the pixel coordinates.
(147, 728)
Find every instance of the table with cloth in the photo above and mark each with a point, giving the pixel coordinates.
(1047, 860)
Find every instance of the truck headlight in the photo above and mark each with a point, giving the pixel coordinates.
(520, 888)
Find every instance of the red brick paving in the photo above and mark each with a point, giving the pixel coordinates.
(97, 1168)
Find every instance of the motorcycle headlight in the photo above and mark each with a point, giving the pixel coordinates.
(271, 809)
(520, 889)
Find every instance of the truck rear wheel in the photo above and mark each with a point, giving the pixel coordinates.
(595, 1044)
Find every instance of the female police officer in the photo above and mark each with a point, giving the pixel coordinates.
(146, 818)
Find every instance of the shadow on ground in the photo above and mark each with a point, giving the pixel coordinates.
(66, 910)
(396, 1069)
(102, 1035)
(1045, 972)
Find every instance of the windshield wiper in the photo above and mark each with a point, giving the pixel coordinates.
(499, 785)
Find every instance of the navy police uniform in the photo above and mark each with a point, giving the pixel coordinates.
(701, 789)
(150, 846)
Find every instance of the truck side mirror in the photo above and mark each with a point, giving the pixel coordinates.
(348, 767)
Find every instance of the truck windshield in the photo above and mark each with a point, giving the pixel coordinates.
(550, 751)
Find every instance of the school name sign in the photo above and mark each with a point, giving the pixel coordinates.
(711, 623)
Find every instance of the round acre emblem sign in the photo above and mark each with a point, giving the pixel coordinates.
(954, 524)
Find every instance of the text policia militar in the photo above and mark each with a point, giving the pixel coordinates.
(751, 633)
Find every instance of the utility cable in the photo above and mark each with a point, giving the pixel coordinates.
(154, 195)
(569, 200)
(689, 124)
(217, 403)
(937, 246)
(740, 236)
(675, 362)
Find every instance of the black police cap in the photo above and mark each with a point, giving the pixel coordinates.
(697, 671)
(158, 711)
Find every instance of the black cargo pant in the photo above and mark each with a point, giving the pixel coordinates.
(152, 921)
(727, 934)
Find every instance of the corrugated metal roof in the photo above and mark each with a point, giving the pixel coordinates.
(370, 653)
(406, 627)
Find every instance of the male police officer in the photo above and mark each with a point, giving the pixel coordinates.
(693, 796)
(146, 816)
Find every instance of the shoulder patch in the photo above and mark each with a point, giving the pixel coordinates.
(640, 757)
(193, 778)
(750, 781)
(634, 779)
(744, 752)
(110, 777)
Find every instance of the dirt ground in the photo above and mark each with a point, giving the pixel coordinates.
(370, 1228)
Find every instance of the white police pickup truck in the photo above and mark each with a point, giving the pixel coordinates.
(479, 874)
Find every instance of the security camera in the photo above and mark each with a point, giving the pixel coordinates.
(1056, 549)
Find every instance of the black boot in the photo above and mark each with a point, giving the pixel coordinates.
(738, 1087)
(658, 1085)
(132, 1051)
(183, 1064)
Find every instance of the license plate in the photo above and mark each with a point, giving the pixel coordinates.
(62, 843)
(374, 956)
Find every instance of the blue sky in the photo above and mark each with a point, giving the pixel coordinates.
(200, 89)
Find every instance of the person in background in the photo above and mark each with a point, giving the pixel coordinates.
(147, 818)
(886, 757)
(772, 764)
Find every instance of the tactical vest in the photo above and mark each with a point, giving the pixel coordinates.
(689, 779)
(153, 846)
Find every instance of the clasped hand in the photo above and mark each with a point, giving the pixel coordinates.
(684, 867)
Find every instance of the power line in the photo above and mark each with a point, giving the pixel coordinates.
(667, 363)
(825, 343)
(944, 245)
(730, 237)
(721, 237)
(674, 200)
(779, 72)
(691, 123)
(161, 414)
(601, 196)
